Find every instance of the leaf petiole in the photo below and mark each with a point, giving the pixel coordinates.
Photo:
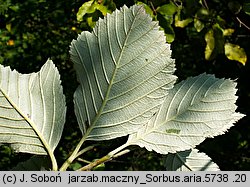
(73, 156)
(113, 154)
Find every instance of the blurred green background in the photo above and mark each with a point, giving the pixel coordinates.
(206, 36)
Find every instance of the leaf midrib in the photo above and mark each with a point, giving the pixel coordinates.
(105, 100)
(29, 121)
(173, 118)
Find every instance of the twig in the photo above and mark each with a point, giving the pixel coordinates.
(83, 160)
(74, 154)
(95, 163)
(205, 4)
(85, 150)
(113, 154)
(153, 8)
(242, 23)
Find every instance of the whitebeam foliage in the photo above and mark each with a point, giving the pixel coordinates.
(126, 87)
(125, 69)
(189, 160)
(32, 109)
(197, 108)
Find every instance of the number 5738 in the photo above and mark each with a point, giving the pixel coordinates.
(213, 177)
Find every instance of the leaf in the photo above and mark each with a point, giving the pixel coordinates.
(235, 52)
(209, 38)
(4, 6)
(165, 23)
(93, 5)
(87, 8)
(201, 17)
(246, 8)
(179, 22)
(228, 32)
(214, 42)
(8, 27)
(182, 23)
(124, 70)
(168, 9)
(35, 163)
(165, 18)
(195, 109)
(202, 14)
(189, 160)
(169, 33)
(198, 25)
(147, 8)
(32, 109)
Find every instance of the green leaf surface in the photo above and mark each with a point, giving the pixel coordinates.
(198, 25)
(210, 44)
(235, 52)
(165, 23)
(179, 22)
(32, 109)
(246, 8)
(168, 9)
(189, 160)
(195, 109)
(147, 8)
(93, 5)
(87, 8)
(124, 70)
(214, 42)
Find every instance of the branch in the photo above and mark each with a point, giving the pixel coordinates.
(113, 154)
(95, 163)
(242, 23)
(74, 155)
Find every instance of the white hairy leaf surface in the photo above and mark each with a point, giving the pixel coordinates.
(189, 160)
(125, 71)
(32, 109)
(197, 108)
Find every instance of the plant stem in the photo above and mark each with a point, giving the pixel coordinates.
(54, 162)
(242, 23)
(85, 150)
(117, 150)
(73, 155)
(115, 153)
(84, 161)
(95, 163)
